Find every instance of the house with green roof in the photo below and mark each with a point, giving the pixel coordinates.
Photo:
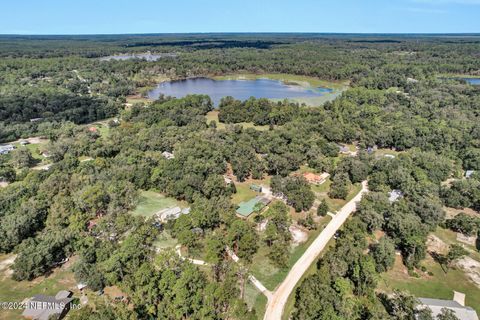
(246, 208)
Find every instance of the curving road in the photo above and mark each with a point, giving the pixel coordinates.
(276, 303)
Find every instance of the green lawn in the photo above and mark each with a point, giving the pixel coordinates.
(150, 202)
(450, 237)
(440, 286)
(336, 204)
(255, 299)
(244, 193)
(35, 149)
(165, 241)
(383, 152)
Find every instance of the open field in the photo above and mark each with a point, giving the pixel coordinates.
(36, 146)
(150, 202)
(165, 241)
(440, 285)
(255, 299)
(383, 152)
(213, 116)
(244, 192)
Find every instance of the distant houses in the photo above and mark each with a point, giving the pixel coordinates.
(42, 307)
(6, 148)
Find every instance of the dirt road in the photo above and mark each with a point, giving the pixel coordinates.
(277, 302)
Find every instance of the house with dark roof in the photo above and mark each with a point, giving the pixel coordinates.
(457, 305)
(42, 307)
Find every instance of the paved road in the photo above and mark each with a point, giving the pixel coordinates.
(277, 302)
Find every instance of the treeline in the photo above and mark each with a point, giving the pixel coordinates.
(258, 111)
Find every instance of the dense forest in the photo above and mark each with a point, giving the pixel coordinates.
(398, 99)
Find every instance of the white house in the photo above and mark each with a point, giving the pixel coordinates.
(5, 149)
(171, 213)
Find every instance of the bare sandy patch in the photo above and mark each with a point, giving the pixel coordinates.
(471, 268)
(435, 244)
(298, 234)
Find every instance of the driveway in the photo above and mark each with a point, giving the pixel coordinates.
(277, 302)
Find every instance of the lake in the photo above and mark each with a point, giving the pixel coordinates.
(239, 89)
(473, 81)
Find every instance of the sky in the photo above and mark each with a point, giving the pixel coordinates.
(184, 16)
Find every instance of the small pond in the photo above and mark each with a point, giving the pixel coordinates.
(239, 89)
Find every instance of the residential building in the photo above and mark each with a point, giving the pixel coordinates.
(42, 307)
(172, 213)
(457, 305)
(5, 149)
(316, 178)
(246, 208)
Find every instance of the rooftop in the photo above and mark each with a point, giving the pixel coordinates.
(436, 305)
(248, 207)
(42, 307)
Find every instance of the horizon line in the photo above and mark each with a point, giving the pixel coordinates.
(245, 32)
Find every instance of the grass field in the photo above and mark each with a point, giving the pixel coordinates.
(383, 152)
(151, 202)
(165, 241)
(441, 285)
(255, 299)
(335, 204)
(34, 148)
(244, 193)
(16, 291)
(213, 116)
